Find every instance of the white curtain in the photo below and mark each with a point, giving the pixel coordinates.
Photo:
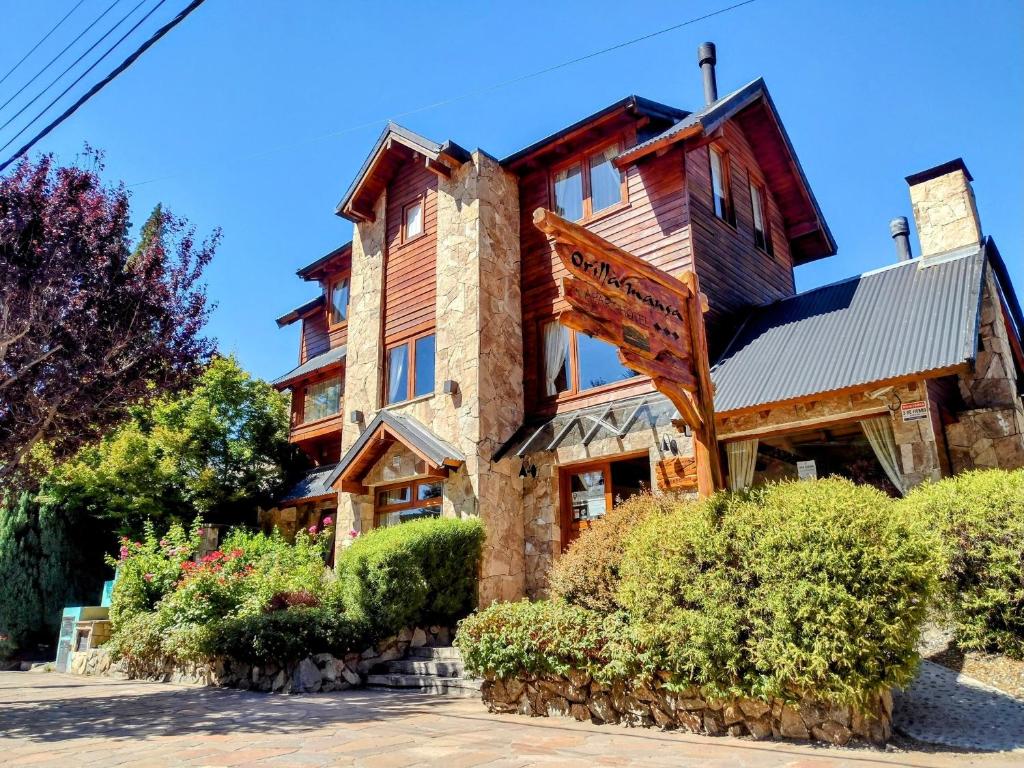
(396, 374)
(742, 457)
(556, 347)
(879, 434)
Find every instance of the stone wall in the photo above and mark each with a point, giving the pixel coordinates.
(578, 696)
(990, 432)
(290, 520)
(945, 213)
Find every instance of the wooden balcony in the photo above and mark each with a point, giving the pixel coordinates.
(312, 430)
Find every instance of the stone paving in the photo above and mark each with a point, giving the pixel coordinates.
(53, 719)
(943, 707)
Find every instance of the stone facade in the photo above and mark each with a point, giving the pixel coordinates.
(290, 520)
(578, 696)
(990, 432)
(945, 213)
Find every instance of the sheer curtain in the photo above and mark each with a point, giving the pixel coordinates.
(396, 375)
(879, 433)
(742, 457)
(556, 347)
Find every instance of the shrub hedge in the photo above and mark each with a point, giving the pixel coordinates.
(979, 519)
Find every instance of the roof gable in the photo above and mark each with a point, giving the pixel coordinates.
(395, 146)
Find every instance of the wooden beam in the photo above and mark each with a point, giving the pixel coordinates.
(437, 167)
(629, 157)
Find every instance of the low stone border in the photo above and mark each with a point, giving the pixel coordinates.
(322, 672)
(578, 696)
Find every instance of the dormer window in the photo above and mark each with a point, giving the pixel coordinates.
(412, 219)
(338, 301)
(721, 197)
(758, 208)
(588, 185)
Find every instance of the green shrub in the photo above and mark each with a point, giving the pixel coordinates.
(979, 517)
(420, 572)
(537, 638)
(283, 636)
(587, 574)
(138, 639)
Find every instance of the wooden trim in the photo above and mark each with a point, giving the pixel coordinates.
(660, 144)
(582, 158)
(413, 502)
(404, 235)
(806, 424)
(588, 465)
(331, 283)
(410, 342)
(730, 206)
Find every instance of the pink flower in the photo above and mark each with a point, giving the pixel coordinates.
(148, 576)
(124, 553)
(328, 521)
(164, 542)
(353, 534)
(312, 529)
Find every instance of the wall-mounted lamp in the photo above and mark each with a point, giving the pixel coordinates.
(530, 470)
(356, 417)
(450, 387)
(668, 445)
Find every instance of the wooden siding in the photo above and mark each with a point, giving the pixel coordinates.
(315, 339)
(410, 285)
(654, 226)
(734, 273)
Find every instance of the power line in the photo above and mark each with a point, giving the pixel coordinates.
(45, 37)
(475, 92)
(182, 15)
(52, 61)
(71, 66)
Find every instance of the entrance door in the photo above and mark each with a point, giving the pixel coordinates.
(589, 490)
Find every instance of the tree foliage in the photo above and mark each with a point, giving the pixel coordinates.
(89, 325)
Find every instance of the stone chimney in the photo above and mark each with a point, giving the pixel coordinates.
(944, 208)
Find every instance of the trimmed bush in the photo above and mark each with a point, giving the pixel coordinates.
(417, 573)
(587, 574)
(979, 517)
(285, 636)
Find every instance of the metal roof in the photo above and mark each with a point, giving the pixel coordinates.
(329, 357)
(411, 432)
(305, 272)
(913, 317)
(313, 485)
(290, 317)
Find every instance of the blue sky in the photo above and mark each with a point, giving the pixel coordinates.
(254, 116)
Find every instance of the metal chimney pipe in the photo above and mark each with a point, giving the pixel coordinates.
(706, 60)
(899, 228)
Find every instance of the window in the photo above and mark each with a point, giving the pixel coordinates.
(758, 207)
(322, 399)
(412, 220)
(573, 362)
(409, 501)
(410, 370)
(338, 300)
(579, 195)
(720, 197)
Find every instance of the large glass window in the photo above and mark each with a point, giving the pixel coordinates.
(721, 200)
(573, 362)
(409, 501)
(410, 369)
(322, 399)
(339, 301)
(588, 185)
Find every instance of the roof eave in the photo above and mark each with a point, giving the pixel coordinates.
(299, 312)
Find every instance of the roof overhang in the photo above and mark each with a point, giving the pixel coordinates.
(337, 260)
(319, 365)
(300, 312)
(754, 111)
(395, 146)
(383, 431)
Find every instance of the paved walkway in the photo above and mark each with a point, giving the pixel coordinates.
(52, 719)
(943, 707)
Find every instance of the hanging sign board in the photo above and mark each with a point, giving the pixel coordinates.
(914, 411)
(655, 320)
(807, 470)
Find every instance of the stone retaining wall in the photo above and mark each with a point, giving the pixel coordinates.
(578, 696)
(322, 672)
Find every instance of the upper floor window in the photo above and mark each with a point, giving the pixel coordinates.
(338, 301)
(574, 362)
(759, 208)
(588, 185)
(721, 197)
(412, 219)
(410, 370)
(322, 399)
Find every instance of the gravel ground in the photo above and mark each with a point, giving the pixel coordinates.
(993, 669)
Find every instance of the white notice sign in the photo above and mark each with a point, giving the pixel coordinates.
(914, 411)
(807, 470)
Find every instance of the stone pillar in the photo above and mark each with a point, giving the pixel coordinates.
(944, 208)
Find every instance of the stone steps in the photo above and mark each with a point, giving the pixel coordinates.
(439, 653)
(450, 686)
(417, 667)
(436, 670)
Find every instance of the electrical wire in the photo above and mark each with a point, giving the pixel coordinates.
(52, 61)
(182, 15)
(45, 37)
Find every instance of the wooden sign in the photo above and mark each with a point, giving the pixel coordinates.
(654, 319)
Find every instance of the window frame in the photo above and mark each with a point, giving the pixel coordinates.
(574, 390)
(347, 276)
(421, 200)
(413, 485)
(761, 191)
(410, 344)
(582, 158)
(304, 387)
(730, 203)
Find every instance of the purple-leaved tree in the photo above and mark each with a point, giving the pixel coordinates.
(89, 324)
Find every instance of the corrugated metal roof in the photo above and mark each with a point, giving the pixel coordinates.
(913, 317)
(312, 485)
(295, 314)
(310, 366)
